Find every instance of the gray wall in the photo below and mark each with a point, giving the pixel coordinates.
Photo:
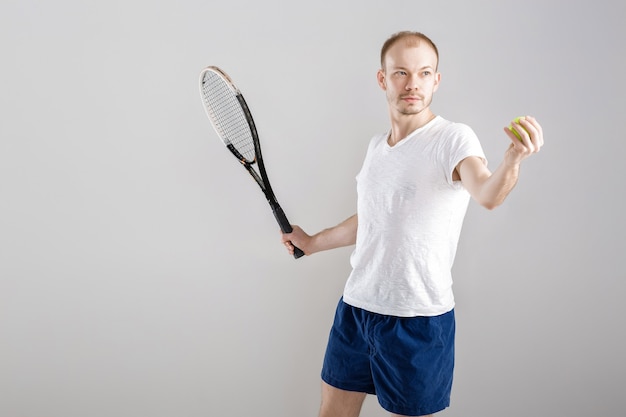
(140, 268)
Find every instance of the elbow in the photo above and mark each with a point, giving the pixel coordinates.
(491, 199)
(491, 204)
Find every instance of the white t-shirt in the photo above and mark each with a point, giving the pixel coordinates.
(410, 214)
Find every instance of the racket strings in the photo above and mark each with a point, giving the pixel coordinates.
(227, 115)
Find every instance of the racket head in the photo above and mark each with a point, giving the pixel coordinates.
(229, 113)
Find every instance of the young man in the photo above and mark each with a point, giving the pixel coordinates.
(393, 333)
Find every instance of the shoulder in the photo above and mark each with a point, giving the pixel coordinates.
(454, 129)
(378, 140)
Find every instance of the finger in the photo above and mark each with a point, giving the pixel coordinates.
(289, 247)
(284, 237)
(534, 128)
(537, 130)
(515, 141)
(529, 135)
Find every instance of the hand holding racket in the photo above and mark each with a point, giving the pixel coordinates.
(232, 120)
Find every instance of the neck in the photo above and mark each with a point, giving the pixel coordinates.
(402, 126)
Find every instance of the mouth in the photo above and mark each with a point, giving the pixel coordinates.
(410, 99)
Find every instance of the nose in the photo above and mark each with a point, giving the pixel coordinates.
(411, 83)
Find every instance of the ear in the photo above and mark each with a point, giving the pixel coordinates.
(437, 81)
(382, 82)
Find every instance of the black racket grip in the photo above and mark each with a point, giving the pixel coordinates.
(285, 226)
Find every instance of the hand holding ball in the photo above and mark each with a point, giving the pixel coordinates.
(512, 129)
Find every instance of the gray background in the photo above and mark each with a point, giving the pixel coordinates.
(140, 268)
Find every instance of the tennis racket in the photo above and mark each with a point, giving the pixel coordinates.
(231, 118)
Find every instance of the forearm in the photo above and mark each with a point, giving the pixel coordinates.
(498, 186)
(491, 189)
(344, 234)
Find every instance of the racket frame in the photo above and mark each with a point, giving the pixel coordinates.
(261, 178)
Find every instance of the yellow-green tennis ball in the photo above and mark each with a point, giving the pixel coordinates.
(517, 119)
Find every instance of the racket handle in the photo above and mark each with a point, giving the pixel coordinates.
(297, 252)
(285, 226)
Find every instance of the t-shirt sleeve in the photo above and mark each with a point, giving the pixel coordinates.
(461, 144)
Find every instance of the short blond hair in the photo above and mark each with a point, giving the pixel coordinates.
(412, 38)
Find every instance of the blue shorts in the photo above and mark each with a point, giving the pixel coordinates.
(407, 362)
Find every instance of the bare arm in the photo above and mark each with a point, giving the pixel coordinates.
(491, 189)
(344, 234)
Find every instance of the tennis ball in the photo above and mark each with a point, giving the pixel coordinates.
(517, 119)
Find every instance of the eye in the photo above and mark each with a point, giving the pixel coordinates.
(401, 73)
(426, 73)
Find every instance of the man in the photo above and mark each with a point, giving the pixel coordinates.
(393, 333)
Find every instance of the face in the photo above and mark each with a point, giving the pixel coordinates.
(409, 78)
